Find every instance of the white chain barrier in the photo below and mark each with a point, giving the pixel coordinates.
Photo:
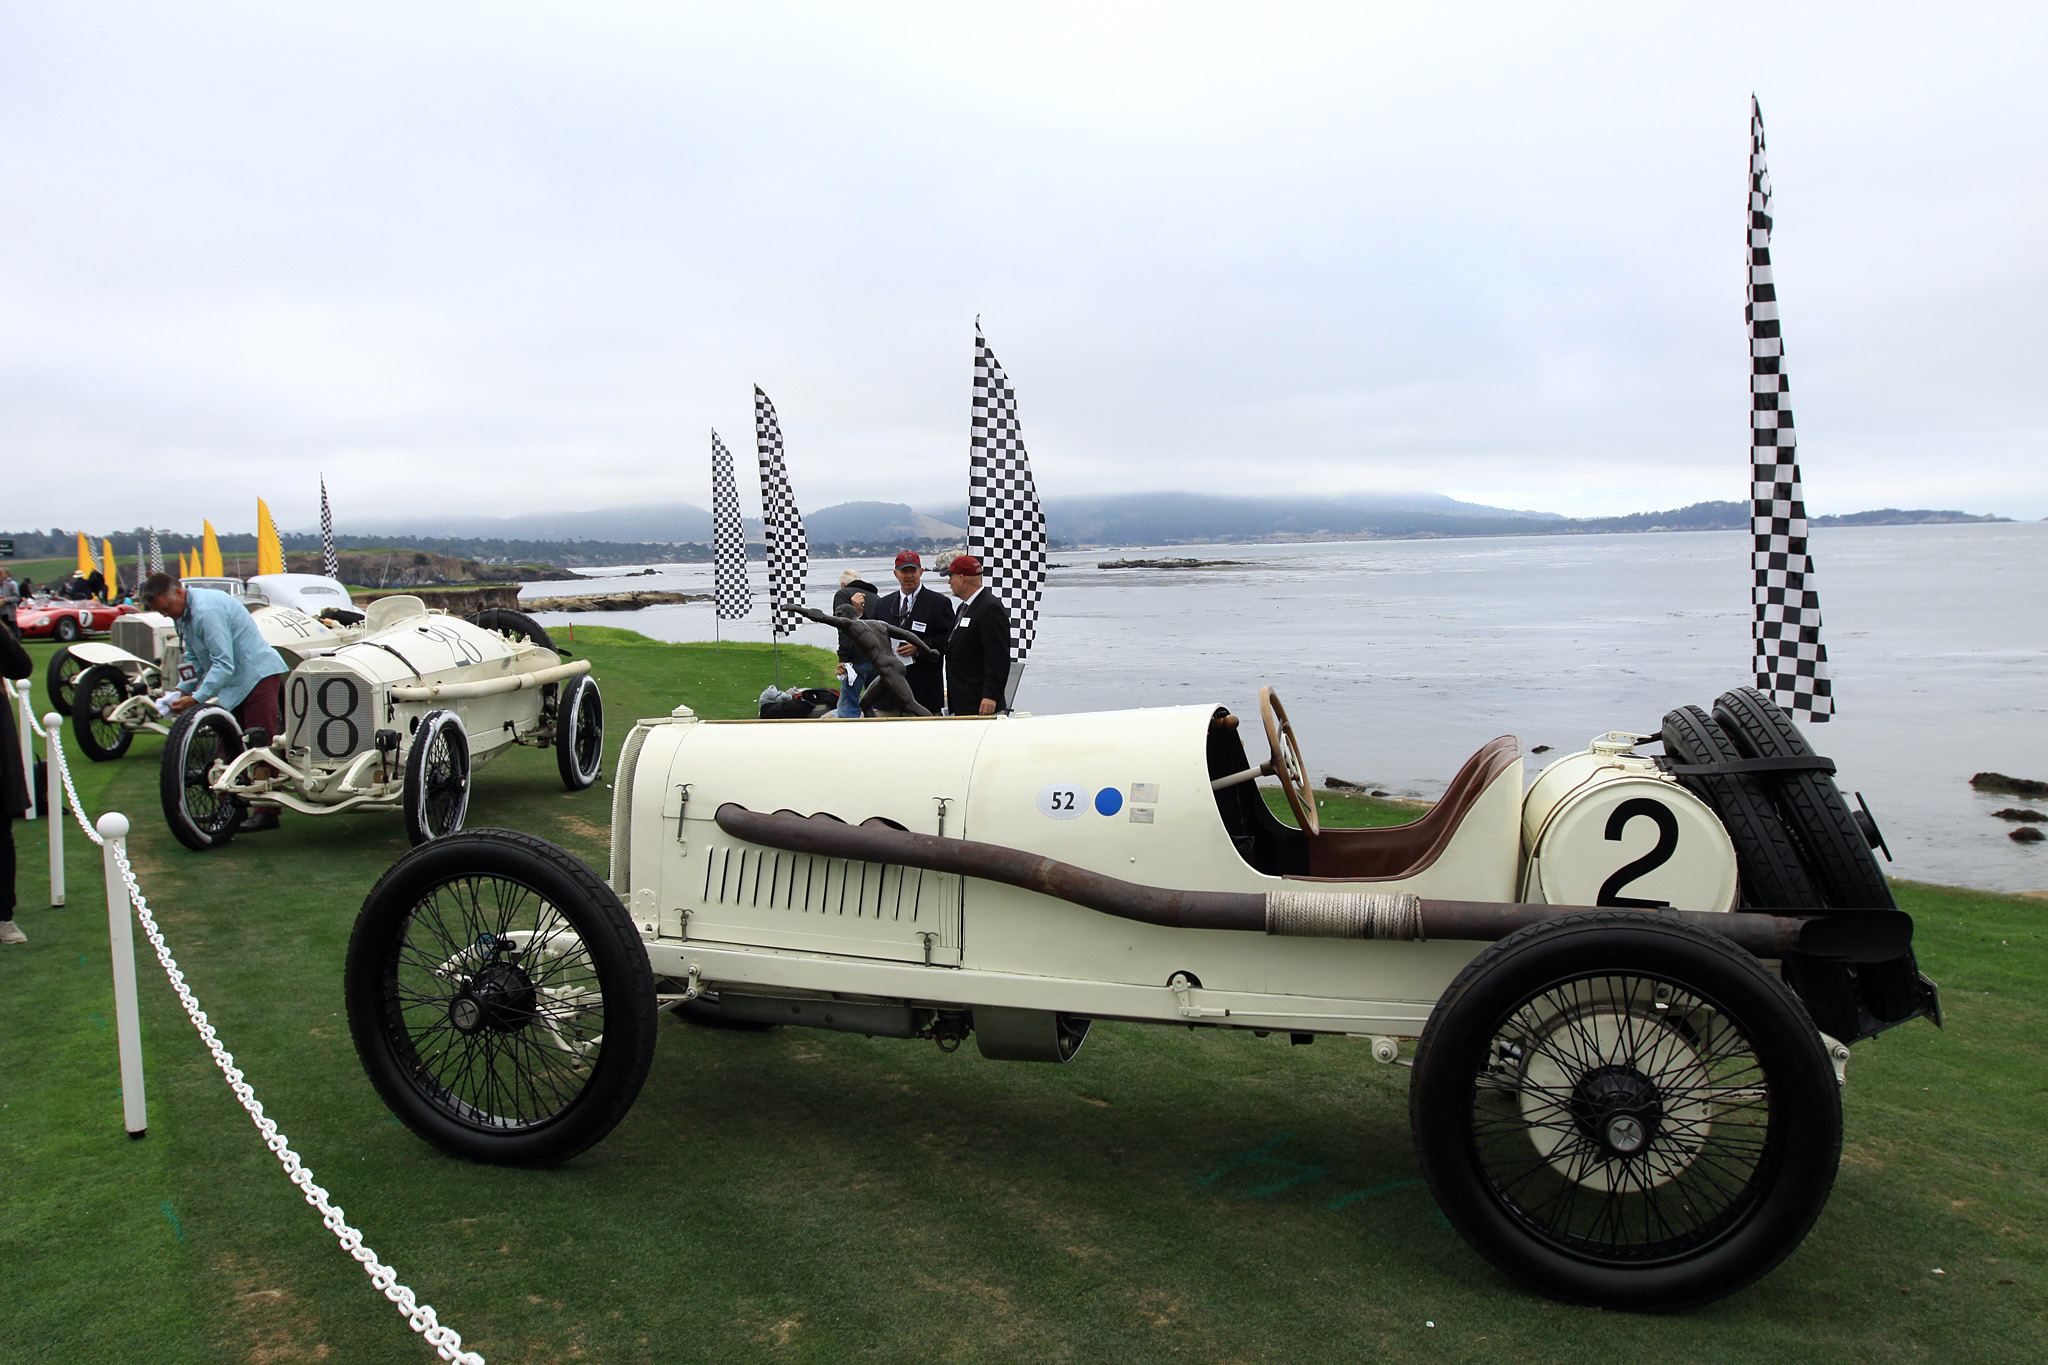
(446, 1341)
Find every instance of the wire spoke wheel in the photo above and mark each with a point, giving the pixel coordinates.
(437, 774)
(204, 738)
(1621, 1110)
(579, 733)
(96, 693)
(499, 999)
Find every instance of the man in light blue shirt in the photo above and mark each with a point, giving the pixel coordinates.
(232, 664)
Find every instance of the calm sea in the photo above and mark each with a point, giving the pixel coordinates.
(1397, 659)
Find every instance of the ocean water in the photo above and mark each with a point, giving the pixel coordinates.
(1397, 659)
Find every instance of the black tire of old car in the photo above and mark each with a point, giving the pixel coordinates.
(1836, 851)
(98, 690)
(200, 817)
(500, 999)
(509, 621)
(436, 778)
(1618, 1110)
(579, 733)
(59, 678)
(1773, 877)
(65, 629)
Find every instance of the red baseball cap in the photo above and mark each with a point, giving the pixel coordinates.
(908, 557)
(965, 564)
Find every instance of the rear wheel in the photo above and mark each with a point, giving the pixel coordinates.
(66, 629)
(436, 778)
(98, 691)
(200, 817)
(59, 678)
(1621, 1111)
(579, 733)
(500, 1000)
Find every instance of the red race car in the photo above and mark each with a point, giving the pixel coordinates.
(54, 618)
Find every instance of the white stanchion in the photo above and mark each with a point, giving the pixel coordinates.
(53, 767)
(26, 724)
(113, 828)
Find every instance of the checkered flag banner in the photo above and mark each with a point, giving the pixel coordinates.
(729, 537)
(1005, 524)
(789, 555)
(1791, 662)
(330, 562)
(156, 553)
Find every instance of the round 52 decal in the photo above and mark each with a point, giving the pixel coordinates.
(1061, 801)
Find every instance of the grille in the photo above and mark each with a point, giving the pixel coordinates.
(331, 715)
(770, 879)
(137, 637)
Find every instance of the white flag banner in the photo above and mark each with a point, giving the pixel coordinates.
(1791, 662)
(789, 555)
(330, 562)
(1005, 524)
(728, 537)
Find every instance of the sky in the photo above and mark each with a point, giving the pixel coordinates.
(504, 258)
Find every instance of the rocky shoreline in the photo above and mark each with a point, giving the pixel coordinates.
(612, 601)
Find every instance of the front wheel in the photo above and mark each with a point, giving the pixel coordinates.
(500, 999)
(66, 630)
(1620, 1111)
(579, 733)
(200, 817)
(436, 778)
(59, 679)
(97, 692)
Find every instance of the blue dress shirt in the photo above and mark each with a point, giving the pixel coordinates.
(223, 645)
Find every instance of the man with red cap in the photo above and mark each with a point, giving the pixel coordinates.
(926, 614)
(978, 651)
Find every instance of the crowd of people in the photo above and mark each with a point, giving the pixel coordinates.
(80, 587)
(912, 651)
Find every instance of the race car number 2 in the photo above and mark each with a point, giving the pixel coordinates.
(1061, 801)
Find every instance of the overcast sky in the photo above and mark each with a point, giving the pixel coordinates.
(505, 258)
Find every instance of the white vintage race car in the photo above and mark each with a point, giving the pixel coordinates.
(1633, 986)
(114, 691)
(399, 717)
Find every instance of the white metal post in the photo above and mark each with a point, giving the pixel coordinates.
(113, 828)
(53, 765)
(27, 725)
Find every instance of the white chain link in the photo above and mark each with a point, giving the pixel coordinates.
(446, 1341)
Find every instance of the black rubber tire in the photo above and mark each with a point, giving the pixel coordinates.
(437, 776)
(66, 630)
(59, 678)
(511, 621)
(200, 818)
(579, 733)
(1837, 853)
(1773, 877)
(403, 1003)
(98, 688)
(1749, 1205)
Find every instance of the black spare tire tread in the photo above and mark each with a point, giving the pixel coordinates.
(576, 711)
(1838, 853)
(1804, 1106)
(511, 621)
(1773, 877)
(626, 983)
(171, 779)
(98, 687)
(59, 678)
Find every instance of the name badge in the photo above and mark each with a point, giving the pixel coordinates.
(917, 626)
(963, 621)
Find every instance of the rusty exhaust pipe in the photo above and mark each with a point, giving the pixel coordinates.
(1863, 936)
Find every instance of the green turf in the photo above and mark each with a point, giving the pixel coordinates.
(1169, 1195)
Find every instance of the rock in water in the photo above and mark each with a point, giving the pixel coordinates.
(2027, 834)
(2017, 786)
(2021, 814)
(1338, 784)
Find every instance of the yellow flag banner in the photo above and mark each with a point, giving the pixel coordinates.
(85, 564)
(209, 554)
(112, 570)
(269, 549)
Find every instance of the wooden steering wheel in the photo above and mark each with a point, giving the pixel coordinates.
(1287, 764)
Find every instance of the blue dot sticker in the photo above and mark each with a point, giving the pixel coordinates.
(1108, 801)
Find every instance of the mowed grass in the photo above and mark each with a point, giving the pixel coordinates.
(803, 1196)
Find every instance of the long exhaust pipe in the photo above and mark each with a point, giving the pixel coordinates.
(1859, 936)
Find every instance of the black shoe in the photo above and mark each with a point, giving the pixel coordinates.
(256, 821)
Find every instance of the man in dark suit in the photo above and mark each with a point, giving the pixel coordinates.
(978, 651)
(926, 614)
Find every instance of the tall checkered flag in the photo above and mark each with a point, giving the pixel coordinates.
(330, 562)
(729, 537)
(1005, 525)
(156, 553)
(1791, 662)
(789, 555)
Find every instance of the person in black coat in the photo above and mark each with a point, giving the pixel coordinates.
(978, 651)
(926, 614)
(859, 592)
(14, 663)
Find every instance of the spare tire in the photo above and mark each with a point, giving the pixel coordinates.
(1773, 877)
(511, 621)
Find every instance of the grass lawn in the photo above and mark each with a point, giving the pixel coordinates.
(804, 1196)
